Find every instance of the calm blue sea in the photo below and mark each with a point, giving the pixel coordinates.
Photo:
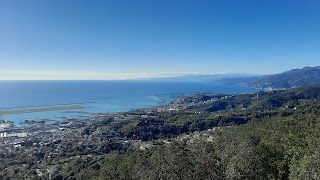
(100, 96)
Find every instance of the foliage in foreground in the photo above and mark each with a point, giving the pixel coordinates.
(274, 148)
(277, 143)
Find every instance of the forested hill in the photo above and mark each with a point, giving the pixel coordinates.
(288, 79)
(265, 135)
(268, 100)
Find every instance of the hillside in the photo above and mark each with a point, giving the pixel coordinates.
(272, 135)
(288, 79)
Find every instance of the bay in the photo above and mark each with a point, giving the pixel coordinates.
(98, 96)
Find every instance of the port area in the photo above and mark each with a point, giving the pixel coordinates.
(40, 109)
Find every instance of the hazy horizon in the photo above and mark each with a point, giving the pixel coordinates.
(122, 76)
(115, 40)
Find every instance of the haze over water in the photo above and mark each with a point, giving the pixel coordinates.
(99, 96)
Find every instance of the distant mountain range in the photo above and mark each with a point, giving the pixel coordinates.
(202, 77)
(288, 79)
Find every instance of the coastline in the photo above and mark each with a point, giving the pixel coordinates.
(157, 97)
(40, 109)
(151, 95)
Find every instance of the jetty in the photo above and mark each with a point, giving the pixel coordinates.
(159, 98)
(33, 121)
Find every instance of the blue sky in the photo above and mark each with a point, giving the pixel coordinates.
(120, 39)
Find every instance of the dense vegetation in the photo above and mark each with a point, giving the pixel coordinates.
(273, 136)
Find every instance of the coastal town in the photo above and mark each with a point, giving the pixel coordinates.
(43, 151)
(73, 137)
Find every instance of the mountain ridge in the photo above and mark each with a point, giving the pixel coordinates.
(201, 77)
(287, 79)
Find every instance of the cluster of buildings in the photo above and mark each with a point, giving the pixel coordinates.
(6, 134)
(67, 136)
(71, 137)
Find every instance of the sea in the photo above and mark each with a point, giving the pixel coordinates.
(97, 96)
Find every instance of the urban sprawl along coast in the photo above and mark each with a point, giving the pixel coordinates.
(73, 133)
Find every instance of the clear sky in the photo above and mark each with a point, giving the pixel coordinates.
(119, 39)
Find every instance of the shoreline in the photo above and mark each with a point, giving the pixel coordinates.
(60, 107)
(157, 97)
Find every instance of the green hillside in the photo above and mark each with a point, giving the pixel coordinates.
(272, 135)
